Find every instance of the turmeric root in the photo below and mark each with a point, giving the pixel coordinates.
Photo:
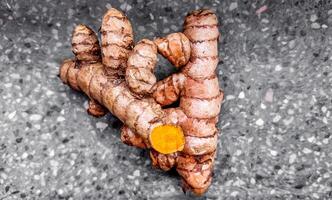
(86, 49)
(121, 80)
(175, 47)
(117, 40)
(104, 83)
(200, 100)
(141, 63)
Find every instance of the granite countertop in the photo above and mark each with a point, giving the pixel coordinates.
(275, 139)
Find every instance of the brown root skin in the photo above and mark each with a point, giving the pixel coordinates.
(63, 71)
(163, 161)
(175, 47)
(131, 138)
(197, 191)
(168, 90)
(140, 67)
(117, 40)
(196, 171)
(96, 110)
(71, 77)
(85, 45)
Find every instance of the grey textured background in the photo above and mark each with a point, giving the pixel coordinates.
(275, 140)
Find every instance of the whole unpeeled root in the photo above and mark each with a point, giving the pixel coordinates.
(105, 84)
(119, 78)
(197, 88)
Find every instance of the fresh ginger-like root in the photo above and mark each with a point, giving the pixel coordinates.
(168, 90)
(167, 139)
(104, 84)
(175, 47)
(184, 137)
(140, 66)
(85, 44)
(197, 87)
(117, 40)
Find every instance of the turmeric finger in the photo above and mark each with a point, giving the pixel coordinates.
(167, 91)
(117, 40)
(141, 64)
(175, 47)
(200, 100)
(85, 44)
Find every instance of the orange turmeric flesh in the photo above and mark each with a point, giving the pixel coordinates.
(167, 139)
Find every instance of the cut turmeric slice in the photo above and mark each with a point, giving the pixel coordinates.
(167, 139)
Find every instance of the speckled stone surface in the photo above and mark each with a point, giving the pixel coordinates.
(276, 71)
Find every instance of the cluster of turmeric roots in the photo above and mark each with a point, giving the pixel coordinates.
(118, 77)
